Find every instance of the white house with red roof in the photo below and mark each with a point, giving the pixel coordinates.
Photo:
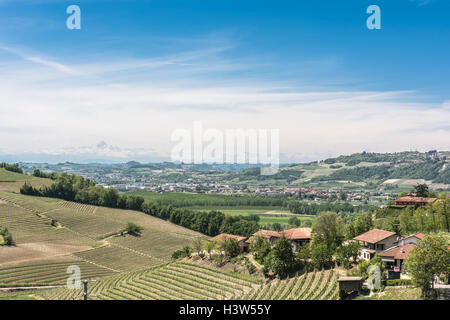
(375, 241)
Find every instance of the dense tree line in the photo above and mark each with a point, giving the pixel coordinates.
(182, 200)
(11, 167)
(38, 173)
(78, 189)
(316, 208)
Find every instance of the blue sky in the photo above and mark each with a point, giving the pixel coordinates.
(258, 64)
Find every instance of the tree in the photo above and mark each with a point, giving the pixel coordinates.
(427, 261)
(321, 256)
(442, 207)
(6, 235)
(307, 223)
(209, 246)
(277, 226)
(347, 253)
(260, 247)
(281, 258)
(328, 229)
(304, 255)
(363, 223)
(421, 190)
(294, 221)
(407, 222)
(133, 228)
(197, 244)
(231, 248)
(183, 253)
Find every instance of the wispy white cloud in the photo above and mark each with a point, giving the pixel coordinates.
(136, 104)
(39, 60)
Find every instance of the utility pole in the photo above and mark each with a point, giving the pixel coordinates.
(85, 290)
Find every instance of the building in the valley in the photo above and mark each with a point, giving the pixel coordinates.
(375, 241)
(243, 245)
(413, 201)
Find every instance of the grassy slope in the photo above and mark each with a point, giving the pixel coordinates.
(12, 181)
(93, 230)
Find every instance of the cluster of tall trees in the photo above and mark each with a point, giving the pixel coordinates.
(11, 167)
(78, 189)
(38, 173)
(432, 218)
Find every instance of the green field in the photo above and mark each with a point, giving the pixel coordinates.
(213, 200)
(12, 181)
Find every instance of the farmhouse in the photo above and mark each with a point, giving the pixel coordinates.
(375, 241)
(394, 257)
(297, 236)
(243, 245)
(413, 201)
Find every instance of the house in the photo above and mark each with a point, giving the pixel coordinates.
(394, 257)
(297, 236)
(270, 235)
(243, 245)
(411, 239)
(375, 241)
(413, 201)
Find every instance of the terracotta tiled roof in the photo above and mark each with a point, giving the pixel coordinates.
(399, 252)
(297, 233)
(415, 199)
(291, 234)
(224, 236)
(374, 236)
(419, 236)
(267, 234)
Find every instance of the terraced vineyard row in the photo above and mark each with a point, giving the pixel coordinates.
(86, 208)
(118, 258)
(48, 273)
(90, 225)
(318, 285)
(35, 204)
(27, 226)
(184, 280)
(174, 281)
(153, 242)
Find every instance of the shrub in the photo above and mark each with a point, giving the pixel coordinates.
(182, 253)
(6, 235)
(133, 228)
(399, 282)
